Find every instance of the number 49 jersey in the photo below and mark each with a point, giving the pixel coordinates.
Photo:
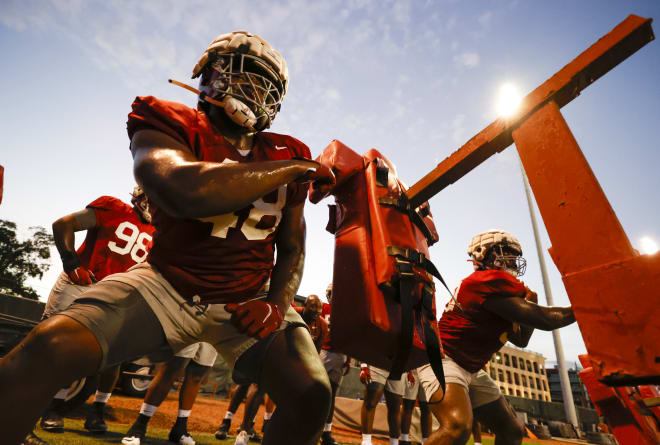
(225, 258)
(119, 241)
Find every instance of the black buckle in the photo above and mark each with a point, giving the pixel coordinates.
(404, 268)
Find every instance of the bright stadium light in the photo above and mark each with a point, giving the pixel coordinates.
(508, 100)
(648, 246)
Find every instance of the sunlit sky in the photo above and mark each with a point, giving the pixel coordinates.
(414, 79)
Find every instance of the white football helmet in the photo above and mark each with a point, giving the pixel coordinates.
(507, 252)
(140, 203)
(244, 73)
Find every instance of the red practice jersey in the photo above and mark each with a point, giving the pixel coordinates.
(225, 258)
(471, 334)
(119, 241)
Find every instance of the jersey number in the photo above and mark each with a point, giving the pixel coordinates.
(257, 225)
(136, 242)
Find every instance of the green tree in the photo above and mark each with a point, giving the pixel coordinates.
(22, 260)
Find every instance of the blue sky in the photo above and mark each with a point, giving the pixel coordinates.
(414, 79)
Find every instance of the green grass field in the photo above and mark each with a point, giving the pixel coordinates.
(75, 434)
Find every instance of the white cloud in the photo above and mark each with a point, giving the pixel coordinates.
(468, 60)
(331, 96)
(484, 19)
(458, 129)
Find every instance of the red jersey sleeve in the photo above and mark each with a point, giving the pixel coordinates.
(171, 118)
(105, 206)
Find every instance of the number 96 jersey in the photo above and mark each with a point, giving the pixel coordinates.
(119, 241)
(225, 258)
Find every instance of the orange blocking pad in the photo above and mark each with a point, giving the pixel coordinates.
(615, 293)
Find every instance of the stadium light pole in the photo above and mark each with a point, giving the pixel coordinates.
(569, 405)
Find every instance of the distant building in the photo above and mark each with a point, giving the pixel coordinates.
(520, 373)
(580, 396)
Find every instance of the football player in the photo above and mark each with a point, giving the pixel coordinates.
(491, 307)
(237, 397)
(225, 195)
(197, 359)
(118, 237)
(336, 365)
(377, 381)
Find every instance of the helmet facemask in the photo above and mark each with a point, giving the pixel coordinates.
(250, 90)
(507, 258)
(141, 204)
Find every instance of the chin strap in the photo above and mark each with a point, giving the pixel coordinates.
(236, 110)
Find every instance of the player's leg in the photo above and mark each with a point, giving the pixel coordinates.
(334, 366)
(406, 420)
(393, 402)
(492, 410)
(454, 414)
(158, 390)
(293, 376)
(62, 295)
(195, 374)
(269, 409)
(107, 381)
(236, 399)
(60, 345)
(252, 404)
(476, 431)
(372, 394)
(500, 418)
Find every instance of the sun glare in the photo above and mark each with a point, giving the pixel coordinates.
(648, 246)
(508, 100)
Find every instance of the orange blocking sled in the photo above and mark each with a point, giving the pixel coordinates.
(381, 253)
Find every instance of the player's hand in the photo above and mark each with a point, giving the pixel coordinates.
(531, 296)
(411, 378)
(82, 276)
(256, 318)
(365, 375)
(323, 186)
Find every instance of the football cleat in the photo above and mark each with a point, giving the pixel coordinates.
(52, 422)
(254, 436)
(33, 439)
(181, 437)
(223, 429)
(95, 423)
(135, 434)
(243, 438)
(327, 439)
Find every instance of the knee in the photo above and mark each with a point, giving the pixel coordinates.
(195, 371)
(370, 404)
(458, 430)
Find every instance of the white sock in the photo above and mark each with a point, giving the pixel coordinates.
(394, 441)
(61, 394)
(405, 437)
(184, 413)
(327, 427)
(366, 439)
(148, 410)
(102, 397)
(424, 439)
(229, 415)
(477, 443)
(267, 416)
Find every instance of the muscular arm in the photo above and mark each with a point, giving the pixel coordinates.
(290, 244)
(521, 334)
(187, 188)
(64, 229)
(529, 314)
